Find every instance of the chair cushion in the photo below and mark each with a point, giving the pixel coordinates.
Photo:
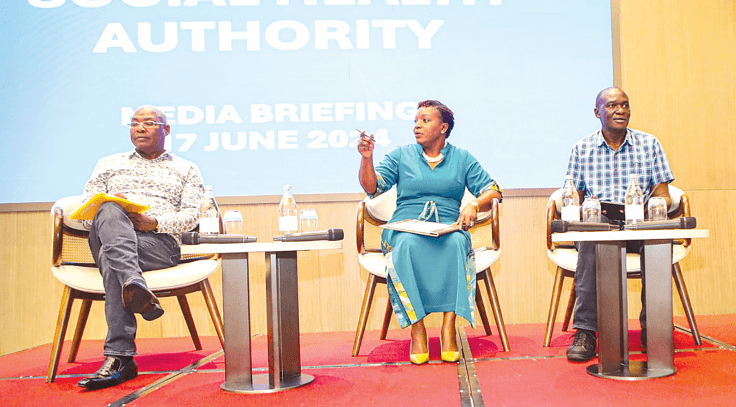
(485, 259)
(383, 206)
(675, 195)
(69, 205)
(375, 263)
(568, 258)
(88, 279)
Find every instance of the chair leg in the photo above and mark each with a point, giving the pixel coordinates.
(65, 309)
(570, 307)
(685, 300)
(365, 309)
(482, 308)
(496, 307)
(386, 319)
(209, 299)
(79, 330)
(184, 304)
(554, 303)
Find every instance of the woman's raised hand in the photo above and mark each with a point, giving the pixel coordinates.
(366, 144)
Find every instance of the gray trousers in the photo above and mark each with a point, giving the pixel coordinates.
(586, 310)
(122, 254)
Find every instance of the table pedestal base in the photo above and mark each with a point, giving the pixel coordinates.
(261, 384)
(636, 370)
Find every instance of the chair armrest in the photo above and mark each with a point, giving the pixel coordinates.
(551, 215)
(490, 219)
(57, 236)
(367, 217)
(366, 228)
(359, 227)
(496, 224)
(682, 210)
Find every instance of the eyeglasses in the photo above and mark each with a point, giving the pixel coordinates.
(146, 124)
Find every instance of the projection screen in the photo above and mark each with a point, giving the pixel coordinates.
(262, 93)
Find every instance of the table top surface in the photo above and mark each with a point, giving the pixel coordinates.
(619, 235)
(260, 247)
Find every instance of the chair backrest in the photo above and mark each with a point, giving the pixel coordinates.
(675, 195)
(69, 235)
(70, 245)
(374, 212)
(679, 206)
(383, 206)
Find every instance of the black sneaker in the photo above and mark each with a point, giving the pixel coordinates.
(583, 346)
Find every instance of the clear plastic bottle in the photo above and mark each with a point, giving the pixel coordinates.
(634, 204)
(592, 209)
(288, 215)
(570, 201)
(209, 214)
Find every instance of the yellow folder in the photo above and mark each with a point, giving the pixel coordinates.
(89, 209)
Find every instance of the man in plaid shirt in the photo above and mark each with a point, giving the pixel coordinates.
(600, 165)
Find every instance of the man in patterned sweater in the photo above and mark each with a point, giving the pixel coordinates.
(126, 244)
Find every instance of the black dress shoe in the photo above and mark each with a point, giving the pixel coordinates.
(114, 371)
(583, 346)
(138, 299)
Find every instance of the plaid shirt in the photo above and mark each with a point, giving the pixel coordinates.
(602, 171)
(170, 185)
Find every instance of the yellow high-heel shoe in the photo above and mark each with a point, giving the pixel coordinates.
(419, 358)
(449, 355)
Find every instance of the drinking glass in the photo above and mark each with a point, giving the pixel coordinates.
(657, 208)
(308, 220)
(233, 222)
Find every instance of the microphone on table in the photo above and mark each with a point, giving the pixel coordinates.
(197, 238)
(562, 226)
(329, 234)
(685, 222)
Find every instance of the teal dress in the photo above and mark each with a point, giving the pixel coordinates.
(430, 274)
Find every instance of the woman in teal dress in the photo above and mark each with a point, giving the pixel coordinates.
(430, 274)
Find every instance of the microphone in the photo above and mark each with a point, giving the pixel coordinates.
(329, 234)
(562, 226)
(197, 238)
(685, 222)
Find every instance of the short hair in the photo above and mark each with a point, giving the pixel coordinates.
(160, 115)
(605, 92)
(445, 112)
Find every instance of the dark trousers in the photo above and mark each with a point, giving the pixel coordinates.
(122, 254)
(586, 315)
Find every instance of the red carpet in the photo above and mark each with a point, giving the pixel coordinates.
(527, 375)
(703, 378)
(406, 385)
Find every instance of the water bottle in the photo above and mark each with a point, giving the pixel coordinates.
(288, 217)
(209, 214)
(634, 204)
(570, 201)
